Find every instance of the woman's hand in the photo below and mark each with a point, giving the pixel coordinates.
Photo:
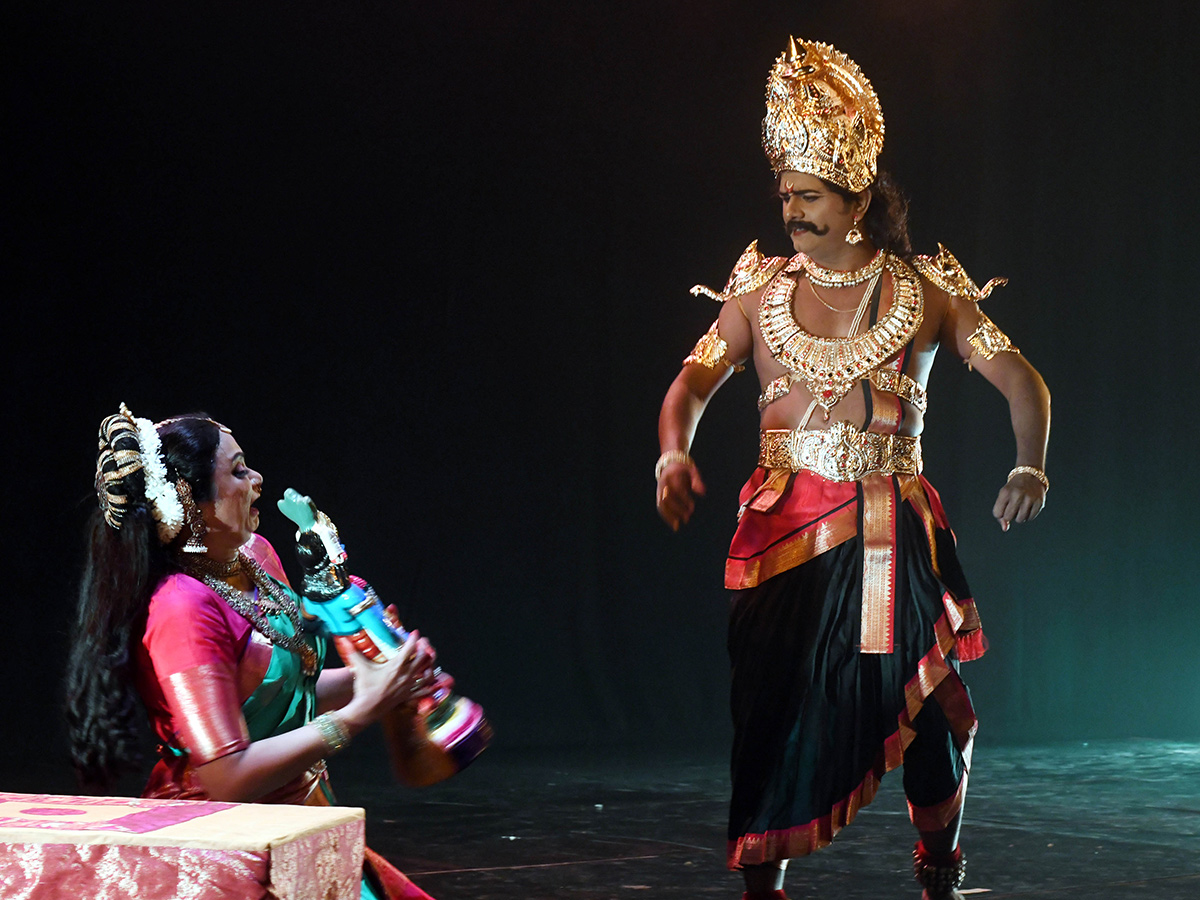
(379, 687)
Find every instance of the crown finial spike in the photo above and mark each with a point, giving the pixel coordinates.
(795, 54)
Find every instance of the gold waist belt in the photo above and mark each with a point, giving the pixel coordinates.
(843, 453)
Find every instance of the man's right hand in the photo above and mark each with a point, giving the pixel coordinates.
(678, 488)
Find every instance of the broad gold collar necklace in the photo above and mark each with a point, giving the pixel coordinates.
(831, 367)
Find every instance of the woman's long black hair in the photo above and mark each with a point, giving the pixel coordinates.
(123, 567)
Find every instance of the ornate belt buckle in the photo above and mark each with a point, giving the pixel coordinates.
(842, 453)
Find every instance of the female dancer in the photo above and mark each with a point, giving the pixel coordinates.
(183, 606)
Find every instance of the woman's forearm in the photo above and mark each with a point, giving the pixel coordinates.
(335, 687)
(266, 765)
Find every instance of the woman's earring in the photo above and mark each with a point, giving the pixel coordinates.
(194, 518)
(854, 236)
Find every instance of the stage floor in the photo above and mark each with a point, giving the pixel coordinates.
(1110, 820)
(1101, 821)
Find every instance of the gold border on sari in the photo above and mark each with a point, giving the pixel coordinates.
(938, 816)
(916, 496)
(207, 715)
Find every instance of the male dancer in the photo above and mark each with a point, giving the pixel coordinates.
(850, 614)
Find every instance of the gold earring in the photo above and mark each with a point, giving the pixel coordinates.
(854, 236)
(194, 518)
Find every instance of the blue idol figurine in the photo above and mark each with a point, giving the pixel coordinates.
(445, 732)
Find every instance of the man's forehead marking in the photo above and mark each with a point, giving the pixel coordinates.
(791, 182)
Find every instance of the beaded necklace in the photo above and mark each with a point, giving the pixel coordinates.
(835, 278)
(857, 307)
(269, 598)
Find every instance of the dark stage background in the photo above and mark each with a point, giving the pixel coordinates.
(430, 262)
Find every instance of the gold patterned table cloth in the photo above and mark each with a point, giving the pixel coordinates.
(117, 847)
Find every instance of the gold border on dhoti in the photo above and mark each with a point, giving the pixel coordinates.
(879, 564)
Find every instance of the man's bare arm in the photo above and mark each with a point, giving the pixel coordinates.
(679, 481)
(1024, 495)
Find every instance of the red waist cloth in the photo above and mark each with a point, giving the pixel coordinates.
(787, 522)
(789, 518)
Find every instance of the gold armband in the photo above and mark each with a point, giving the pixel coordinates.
(947, 273)
(988, 340)
(710, 351)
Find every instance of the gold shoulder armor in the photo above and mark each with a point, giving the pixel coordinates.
(751, 272)
(947, 273)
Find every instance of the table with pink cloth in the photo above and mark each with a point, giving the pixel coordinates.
(114, 848)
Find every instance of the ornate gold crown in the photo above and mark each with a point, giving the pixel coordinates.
(823, 117)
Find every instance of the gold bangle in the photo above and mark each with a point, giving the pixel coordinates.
(333, 731)
(1030, 470)
(670, 458)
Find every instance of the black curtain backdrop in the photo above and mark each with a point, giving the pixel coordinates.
(430, 262)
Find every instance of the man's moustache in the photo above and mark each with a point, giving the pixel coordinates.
(797, 225)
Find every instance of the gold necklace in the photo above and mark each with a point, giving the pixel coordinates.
(268, 596)
(209, 566)
(834, 278)
(831, 367)
(812, 287)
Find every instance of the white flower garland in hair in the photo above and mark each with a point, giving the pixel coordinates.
(163, 497)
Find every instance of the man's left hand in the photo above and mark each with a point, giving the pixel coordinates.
(1019, 501)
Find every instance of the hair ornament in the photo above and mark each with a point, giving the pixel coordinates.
(160, 491)
(119, 457)
(128, 444)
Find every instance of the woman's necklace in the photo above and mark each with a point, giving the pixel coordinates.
(835, 278)
(269, 597)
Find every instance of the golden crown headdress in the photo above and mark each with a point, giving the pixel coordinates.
(823, 117)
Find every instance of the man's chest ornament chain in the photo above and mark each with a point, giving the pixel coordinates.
(831, 367)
